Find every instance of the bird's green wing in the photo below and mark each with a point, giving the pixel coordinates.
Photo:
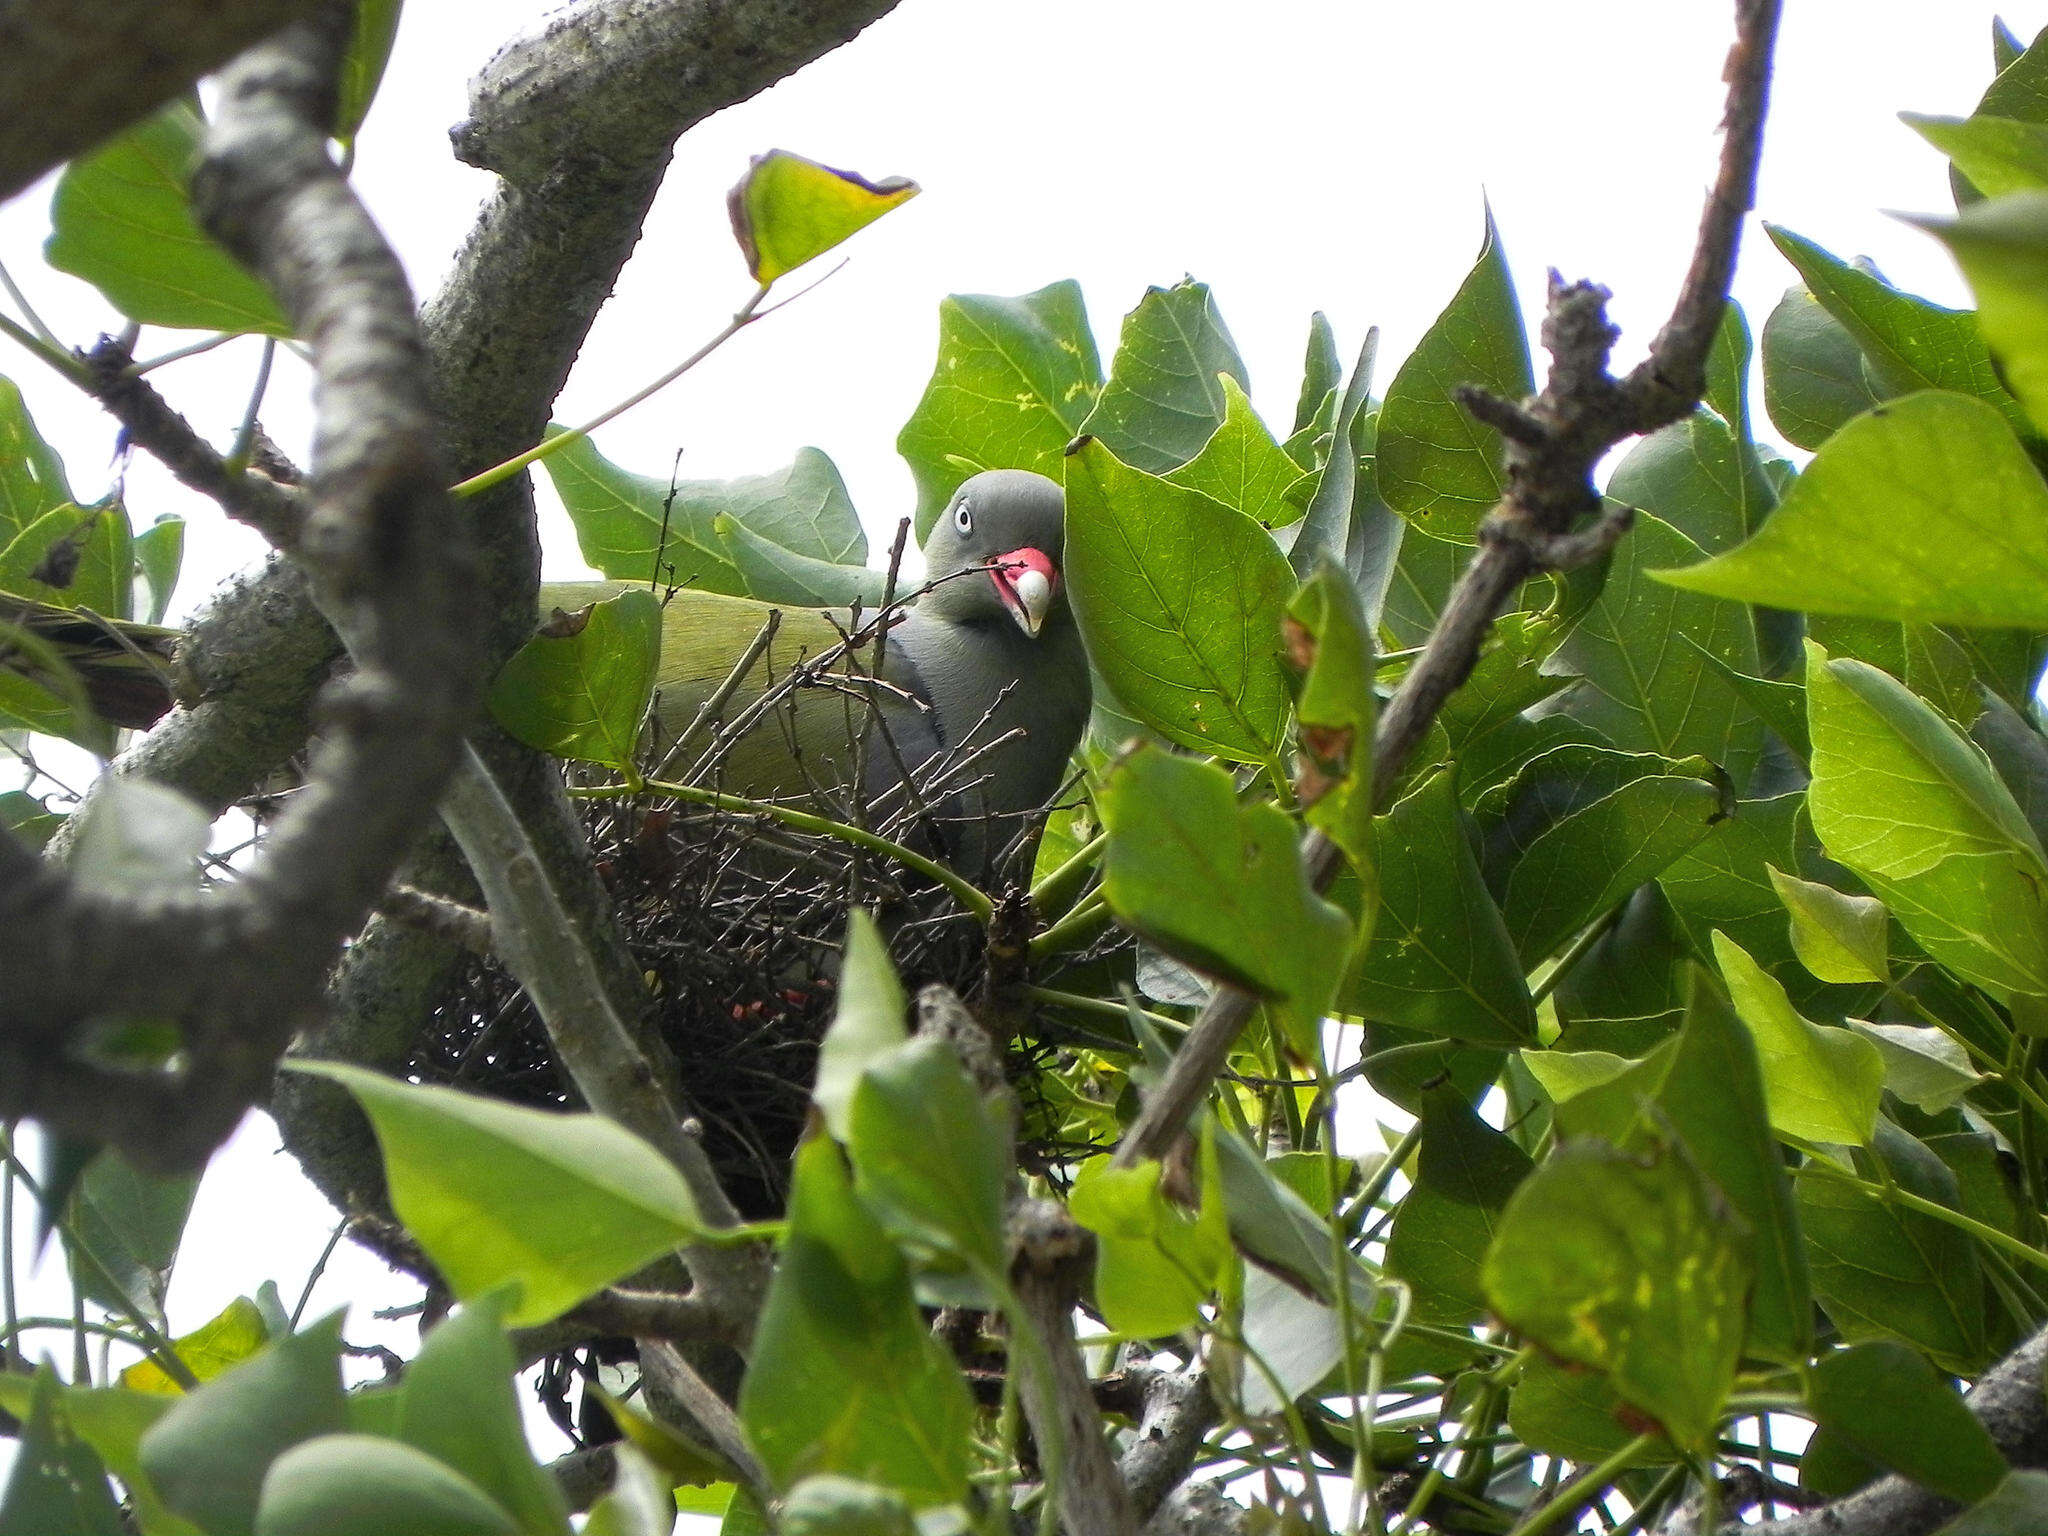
(806, 740)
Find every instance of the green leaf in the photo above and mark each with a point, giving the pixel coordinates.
(121, 219)
(362, 68)
(1330, 644)
(788, 210)
(1926, 509)
(1574, 1414)
(2017, 1507)
(112, 1421)
(1440, 960)
(1179, 599)
(1916, 812)
(1699, 477)
(1815, 376)
(458, 1407)
(1580, 827)
(580, 687)
(234, 1334)
(1331, 529)
(789, 537)
(1165, 395)
(1322, 372)
(1435, 465)
(906, 1104)
(1465, 1173)
(1014, 380)
(1891, 1407)
(1641, 655)
(1714, 1096)
(867, 1022)
(2021, 89)
(1175, 826)
(365, 1485)
(494, 1192)
(1926, 1067)
(1823, 1084)
(842, 1506)
(1424, 573)
(844, 1376)
(159, 552)
(57, 1486)
(638, 1504)
(2002, 247)
(1241, 466)
(1998, 154)
(32, 479)
(1155, 1264)
(132, 1222)
(1838, 937)
(1883, 1272)
(1910, 343)
(74, 557)
(208, 1454)
(1633, 1265)
(1273, 1224)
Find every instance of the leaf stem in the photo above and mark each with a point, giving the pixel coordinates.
(1053, 891)
(497, 474)
(1890, 1194)
(1573, 1494)
(55, 356)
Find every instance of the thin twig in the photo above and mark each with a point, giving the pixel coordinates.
(1582, 412)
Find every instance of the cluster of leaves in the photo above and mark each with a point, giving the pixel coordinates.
(1705, 940)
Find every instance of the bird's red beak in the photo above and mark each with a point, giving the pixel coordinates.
(1026, 580)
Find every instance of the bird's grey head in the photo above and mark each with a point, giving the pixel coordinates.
(997, 553)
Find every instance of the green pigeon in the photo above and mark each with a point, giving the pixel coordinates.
(984, 687)
(984, 693)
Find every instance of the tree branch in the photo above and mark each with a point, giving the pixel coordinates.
(2007, 1400)
(1559, 438)
(76, 72)
(240, 969)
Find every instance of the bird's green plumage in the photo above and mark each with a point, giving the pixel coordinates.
(968, 693)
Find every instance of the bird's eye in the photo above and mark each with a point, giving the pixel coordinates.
(963, 518)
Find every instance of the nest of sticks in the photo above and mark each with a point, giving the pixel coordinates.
(736, 919)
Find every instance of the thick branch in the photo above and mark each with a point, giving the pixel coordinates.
(76, 72)
(2007, 1400)
(242, 968)
(1052, 1254)
(1559, 437)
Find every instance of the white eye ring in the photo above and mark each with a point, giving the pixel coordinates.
(963, 517)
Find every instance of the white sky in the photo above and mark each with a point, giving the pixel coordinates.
(1296, 155)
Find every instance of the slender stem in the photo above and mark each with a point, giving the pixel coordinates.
(176, 354)
(245, 435)
(497, 474)
(1088, 918)
(9, 1311)
(1574, 1493)
(28, 310)
(319, 1269)
(1590, 935)
(70, 1325)
(1082, 1003)
(55, 356)
(971, 898)
(1052, 892)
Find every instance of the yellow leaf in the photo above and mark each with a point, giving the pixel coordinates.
(787, 210)
(229, 1339)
